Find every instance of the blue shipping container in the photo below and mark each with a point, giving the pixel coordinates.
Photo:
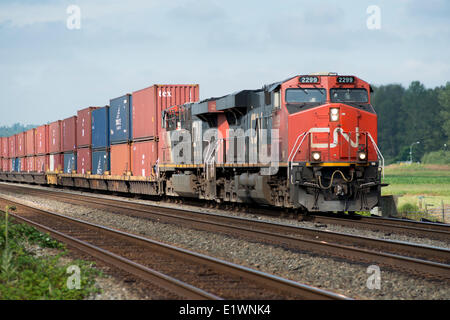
(70, 162)
(120, 118)
(14, 162)
(101, 162)
(100, 128)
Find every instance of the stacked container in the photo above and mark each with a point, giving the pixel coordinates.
(84, 140)
(148, 105)
(120, 129)
(56, 158)
(100, 141)
(1, 154)
(30, 150)
(69, 143)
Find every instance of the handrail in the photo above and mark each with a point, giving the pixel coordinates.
(293, 153)
(378, 153)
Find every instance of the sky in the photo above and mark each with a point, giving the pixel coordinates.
(49, 69)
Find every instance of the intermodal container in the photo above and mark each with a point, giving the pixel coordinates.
(120, 125)
(56, 162)
(21, 164)
(84, 127)
(100, 128)
(20, 144)
(100, 162)
(54, 137)
(84, 160)
(13, 164)
(148, 104)
(6, 165)
(1, 148)
(30, 164)
(12, 146)
(144, 155)
(120, 159)
(42, 140)
(69, 134)
(42, 162)
(5, 147)
(70, 162)
(30, 145)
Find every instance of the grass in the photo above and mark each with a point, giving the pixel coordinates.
(418, 185)
(26, 276)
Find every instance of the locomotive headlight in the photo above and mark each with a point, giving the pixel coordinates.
(362, 156)
(316, 155)
(334, 114)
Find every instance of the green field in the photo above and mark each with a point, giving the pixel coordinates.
(420, 185)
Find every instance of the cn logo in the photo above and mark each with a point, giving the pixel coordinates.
(336, 133)
(165, 94)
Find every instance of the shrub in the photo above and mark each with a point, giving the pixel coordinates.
(437, 157)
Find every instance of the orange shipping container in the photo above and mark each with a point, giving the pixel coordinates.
(120, 159)
(144, 155)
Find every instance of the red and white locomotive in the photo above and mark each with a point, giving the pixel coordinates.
(308, 143)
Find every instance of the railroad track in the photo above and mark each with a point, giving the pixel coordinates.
(190, 275)
(414, 228)
(418, 259)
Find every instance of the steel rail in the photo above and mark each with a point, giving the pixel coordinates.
(266, 280)
(319, 243)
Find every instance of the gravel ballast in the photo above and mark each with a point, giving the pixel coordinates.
(336, 275)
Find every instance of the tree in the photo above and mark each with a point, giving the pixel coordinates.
(444, 100)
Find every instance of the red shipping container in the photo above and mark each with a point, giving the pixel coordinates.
(30, 164)
(144, 155)
(30, 142)
(12, 146)
(23, 164)
(84, 127)
(5, 164)
(54, 137)
(148, 103)
(42, 163)
(120, 159)
(3, 147)
(69, 134)
(21, 144)
(56, 162)
(84, 161)
(41, 140)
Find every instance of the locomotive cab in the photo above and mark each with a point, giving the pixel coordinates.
(333, 158)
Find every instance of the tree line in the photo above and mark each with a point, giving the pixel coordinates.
(405, 117)
(411, 115)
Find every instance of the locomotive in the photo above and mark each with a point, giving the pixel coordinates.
(306, 143)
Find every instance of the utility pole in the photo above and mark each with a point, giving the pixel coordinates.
(410, 150)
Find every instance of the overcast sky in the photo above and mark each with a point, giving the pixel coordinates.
(48, 71)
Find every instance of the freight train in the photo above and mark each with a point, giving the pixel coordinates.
(307, 143)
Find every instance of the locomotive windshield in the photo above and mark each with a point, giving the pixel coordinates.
(301, 95)
(349, 95)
